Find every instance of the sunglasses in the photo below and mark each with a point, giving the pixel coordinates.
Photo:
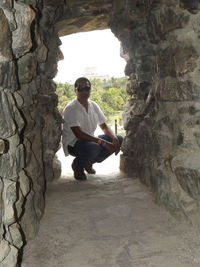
(81, 89)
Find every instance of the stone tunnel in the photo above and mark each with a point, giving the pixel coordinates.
(160, 42)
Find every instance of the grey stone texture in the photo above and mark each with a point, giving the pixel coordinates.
(82, 15)
(30, 123)
(160, 41)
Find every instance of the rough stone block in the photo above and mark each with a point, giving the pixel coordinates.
(5, 249)
(191, 5)
(164, 20)
(8, 77)
(130, 67)
(56, 168)
(9, 254)
(6, 4)
(6, 117)
(12, 163)
(176, 60)
(5, 39)
(189, 179)
(27, 68)
(2, 146)
(42, 52)
(11, 19)
(22, 41)
(29, 220)
(14, 236)
(171, 89)
(27, 95)
(127, 165)
(25, 183)
(10, 197)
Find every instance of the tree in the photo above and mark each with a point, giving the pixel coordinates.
(110, 94)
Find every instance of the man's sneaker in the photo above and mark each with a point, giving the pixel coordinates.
(78, 173)
(89, 169)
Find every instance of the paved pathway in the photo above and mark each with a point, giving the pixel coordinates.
(110, 220)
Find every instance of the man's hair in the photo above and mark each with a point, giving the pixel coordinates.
(81, 79)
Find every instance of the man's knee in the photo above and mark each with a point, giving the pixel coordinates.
(86, 150)
(109, 139)
(88, 153)
(93, 149)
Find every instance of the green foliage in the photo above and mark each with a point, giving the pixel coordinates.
(65, 92)
(110, 94)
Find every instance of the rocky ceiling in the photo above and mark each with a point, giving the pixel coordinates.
(82, 15)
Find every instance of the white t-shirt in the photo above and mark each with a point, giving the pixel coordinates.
(75, 114)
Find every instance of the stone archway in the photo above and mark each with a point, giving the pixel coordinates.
(160, 43)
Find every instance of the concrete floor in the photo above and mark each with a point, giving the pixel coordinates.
(110, 220)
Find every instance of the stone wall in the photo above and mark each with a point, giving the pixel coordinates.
(30, 123)
(160, 41)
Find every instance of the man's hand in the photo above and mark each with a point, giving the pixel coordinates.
(110, 146)
(114, 146)
(115, 141)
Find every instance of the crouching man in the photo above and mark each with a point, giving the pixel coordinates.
(81, 117)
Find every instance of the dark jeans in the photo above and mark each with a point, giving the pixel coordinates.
(88, 152)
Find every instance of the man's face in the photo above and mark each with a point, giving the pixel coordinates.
(83, 90)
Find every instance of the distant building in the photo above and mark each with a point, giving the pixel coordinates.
(92, 73)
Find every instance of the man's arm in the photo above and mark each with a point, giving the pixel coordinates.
(107, 130)
(110, 133)
(82, 135)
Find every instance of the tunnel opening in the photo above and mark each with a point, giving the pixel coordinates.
(96, 55)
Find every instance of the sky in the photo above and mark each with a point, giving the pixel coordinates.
(98, 49)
